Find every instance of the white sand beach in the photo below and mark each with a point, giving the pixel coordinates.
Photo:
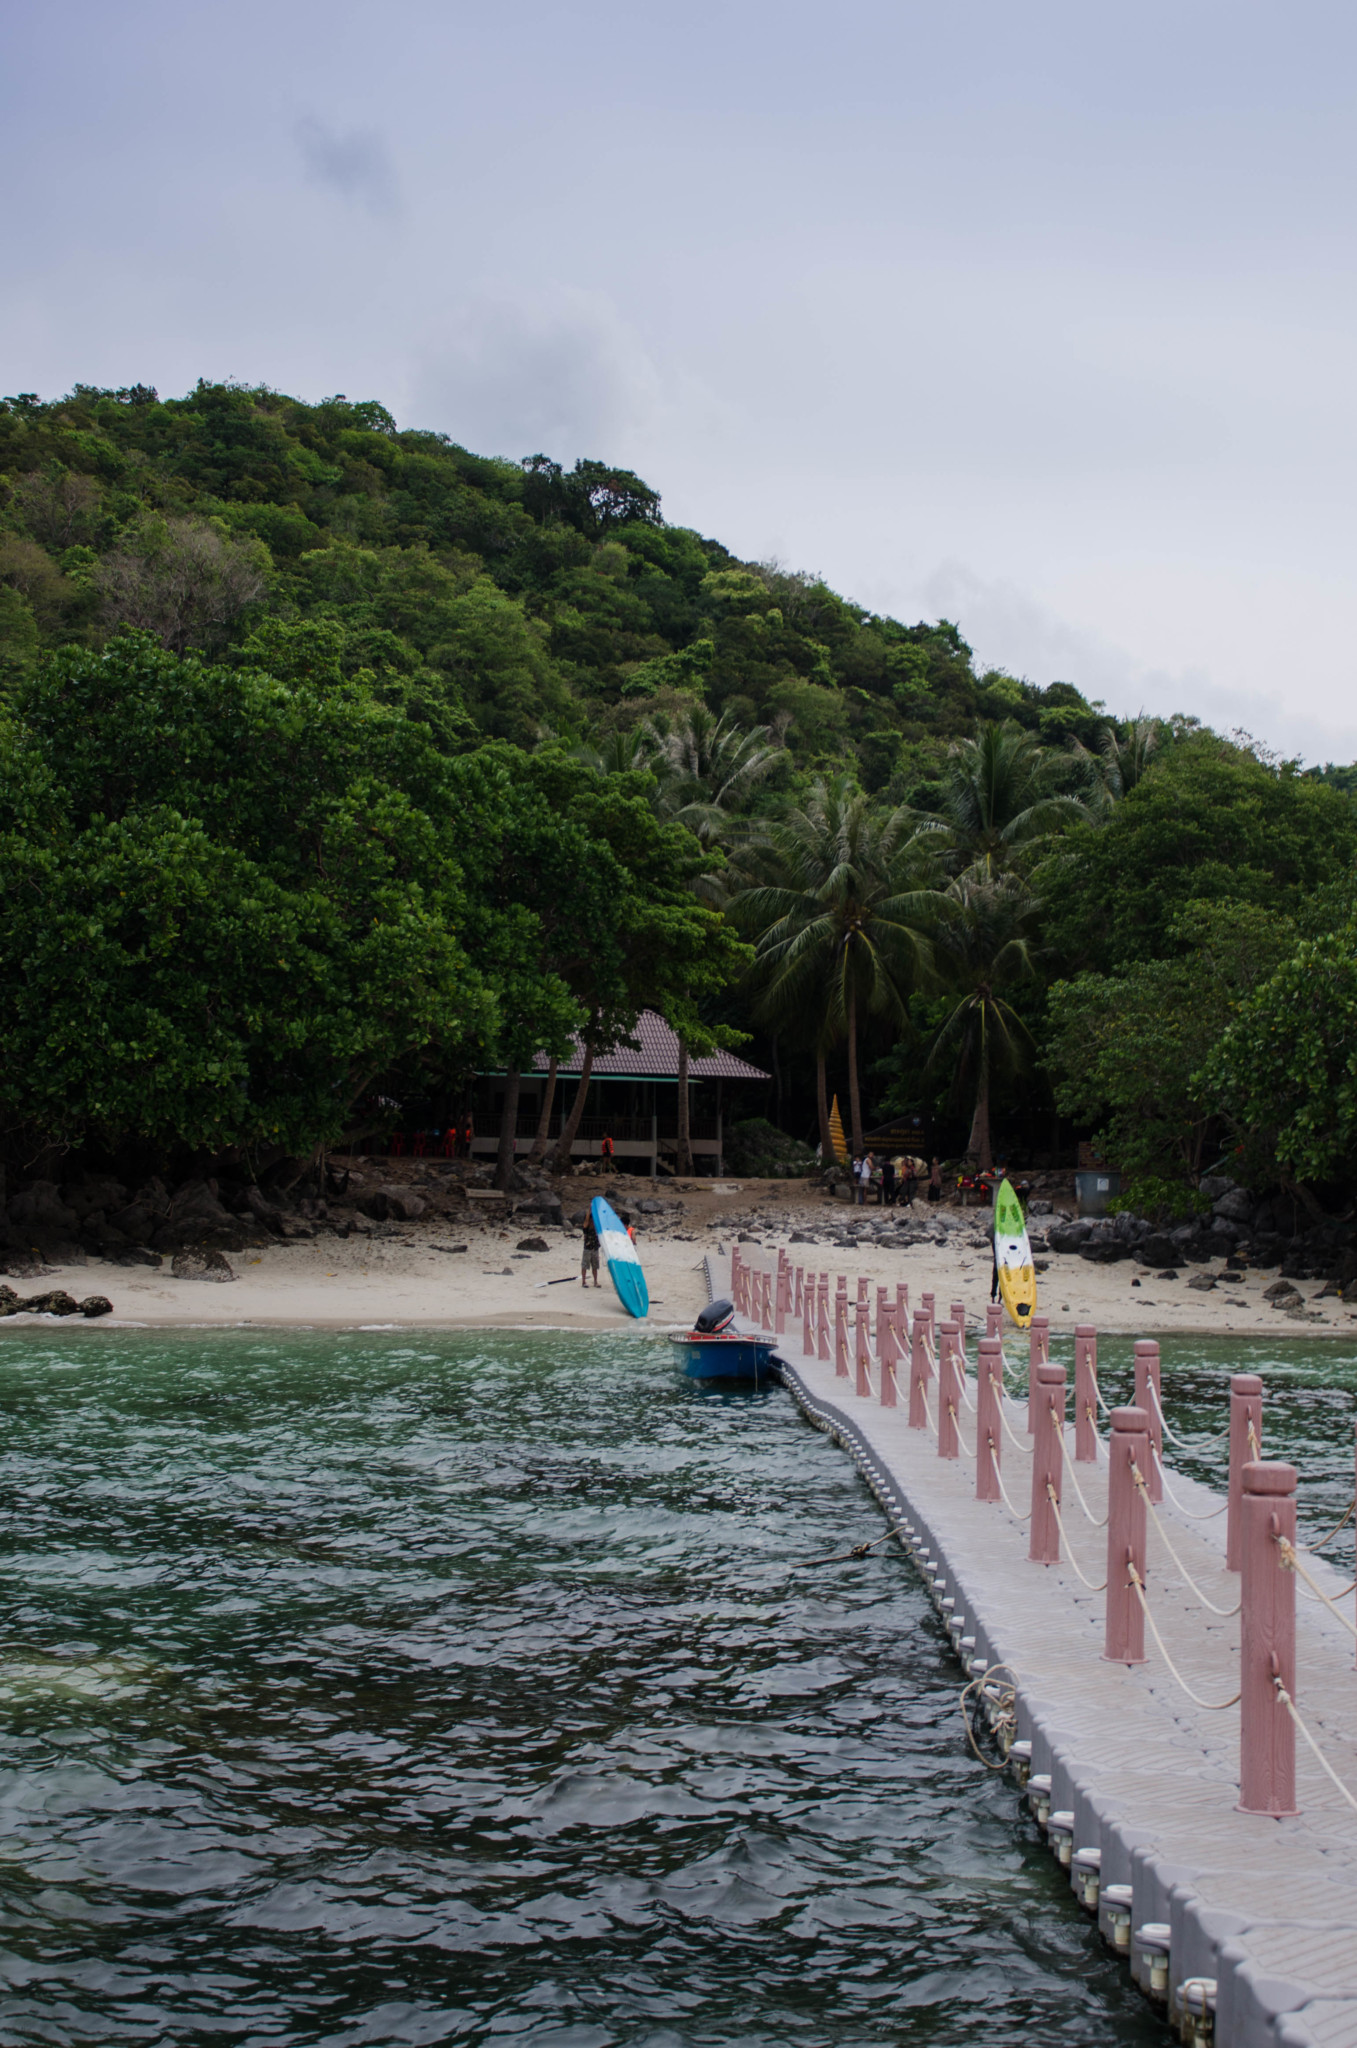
(411, 1275)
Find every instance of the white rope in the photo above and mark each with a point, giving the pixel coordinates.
(1074, 1477)
(999, 1475)
(1055, 1505)
(1225, 1613)
(1016, 1441)
(1336, 1530)
(1203, 1443)
(1292, 1563)
(1211, 1706)
(1325, 1766)
(1191, 1513)
(957, 1427)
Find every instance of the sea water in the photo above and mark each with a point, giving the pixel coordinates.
(404, 1688)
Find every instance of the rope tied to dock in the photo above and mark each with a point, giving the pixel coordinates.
(1004, 1699)
(1291, 1563)
(858, 1550)
(1210, 1706)
(1016, 1441)
(1059, 1523)
(1225, 1613)
(1330, 1773)
(1074, 1478)
(951, 1410)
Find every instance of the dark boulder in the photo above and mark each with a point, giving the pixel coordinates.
(96, 1305)
(1234, 1206)
(1105, 1254)
(532, 1244)
(1157, 1249)
(197, 1262)
(1069, 1235)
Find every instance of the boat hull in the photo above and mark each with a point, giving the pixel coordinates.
(723, 1358)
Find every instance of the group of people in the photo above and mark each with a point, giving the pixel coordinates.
(893, 1179)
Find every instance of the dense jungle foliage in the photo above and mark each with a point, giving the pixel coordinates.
(338, 763)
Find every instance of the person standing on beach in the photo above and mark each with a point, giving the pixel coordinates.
(1000, 1173)
(589, 1253)
(888, 1183)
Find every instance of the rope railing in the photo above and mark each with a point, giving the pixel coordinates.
(1204, 1443)
(951, 1410)
(1330, 1773)
(998, 1473)
(1074, 1476)
(1013, 1438)
(1225, 1613)
(1291, 1563)
(1059, 1523)
(1209, 1706)
(1337, 1528)
(1191, 1513)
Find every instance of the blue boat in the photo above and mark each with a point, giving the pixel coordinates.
(714, 1350)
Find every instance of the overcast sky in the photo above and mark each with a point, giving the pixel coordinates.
(1037, 317)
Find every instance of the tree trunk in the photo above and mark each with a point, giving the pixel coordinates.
(539, 1143)
(685, 1147)
(854, 1097)
(978, 1146)
(559, 1161)
(822, 1105)
(508, 1128)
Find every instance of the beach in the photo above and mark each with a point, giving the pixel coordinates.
(446, 1273)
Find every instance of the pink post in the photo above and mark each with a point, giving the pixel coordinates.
(1246, 1411)
(822, 1320)
(735, 1276)
(1147, 1376)
(841, 1336)
(959, 1318)
(799, 1300)
(808, 1317)
(988, 1427)
(926, 1303)
(949, 1391)
(888, 1351)
(1128, 1452)
(862, 1350)
(767, 1299)
(901, 1310)
(1085, 1394)
(1038, 1351)
(881, 1294)
(918, 1373)
(1267, 1734)
(994, 1319)
(1048, 1401)
(784, 1288)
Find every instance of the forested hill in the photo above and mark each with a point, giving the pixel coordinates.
(515, 595)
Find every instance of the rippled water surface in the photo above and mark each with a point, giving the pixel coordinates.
(371, 1690)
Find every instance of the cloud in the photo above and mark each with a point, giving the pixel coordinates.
(563, 375)
(355, 163)
(1009, 628)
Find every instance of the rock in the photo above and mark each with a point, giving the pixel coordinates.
(1169, 1273)
(137, 1255)
(745, 1238)
(9, 1302)
(1350, 1291)
(57, 1303)
(1127, 1229)
(1105, 1254)
(1157, 1249)
(96, 1305)
(532, 1244)
(264, 1211)
(40, 1209)
(1218, 1244)
(1281, 1293)
(391, 1204)
(1202, 1282)
(136, 1222)
(95, 1194)
(1216, 1185)
(196, 1263)
(1069, 1236)
(578, 1218)
(1039, 1208)
(1234, 1206)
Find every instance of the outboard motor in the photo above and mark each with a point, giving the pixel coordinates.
(715, 1318)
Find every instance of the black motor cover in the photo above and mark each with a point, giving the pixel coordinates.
(715, 1317)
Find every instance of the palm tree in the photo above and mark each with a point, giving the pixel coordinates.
(984, 946)
(999, 800)
(707, 767)
(842, 922)
(1122, 758)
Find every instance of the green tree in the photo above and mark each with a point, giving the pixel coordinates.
(985, 948)
(843, 921)
(1124, 1050)
(1000, 799)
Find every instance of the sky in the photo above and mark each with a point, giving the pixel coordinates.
(1037, 318)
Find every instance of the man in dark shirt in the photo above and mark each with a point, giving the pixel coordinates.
(589, 1254)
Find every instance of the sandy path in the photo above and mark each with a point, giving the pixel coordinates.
(400, 1280)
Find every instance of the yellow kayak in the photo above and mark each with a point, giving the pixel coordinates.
(1013, 1256)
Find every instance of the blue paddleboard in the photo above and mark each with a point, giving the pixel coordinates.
(619, 1253)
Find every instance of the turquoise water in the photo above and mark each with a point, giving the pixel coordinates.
(371, 1690)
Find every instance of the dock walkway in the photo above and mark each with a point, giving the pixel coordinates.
(1267, 1908)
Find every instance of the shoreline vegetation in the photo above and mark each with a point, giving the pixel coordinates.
(344, 771)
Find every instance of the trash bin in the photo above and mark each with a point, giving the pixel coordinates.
(1095, 1189)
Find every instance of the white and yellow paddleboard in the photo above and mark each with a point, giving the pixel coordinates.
(1013, 1256)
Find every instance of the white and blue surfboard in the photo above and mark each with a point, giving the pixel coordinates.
(624, 1268)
